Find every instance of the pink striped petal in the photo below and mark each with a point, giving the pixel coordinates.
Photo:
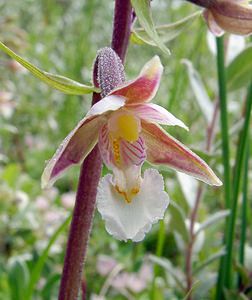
(76, 146)
(133, 153)
(120, 153)
(155, 113)
(145, 86)
(164, 149)
(105, 147)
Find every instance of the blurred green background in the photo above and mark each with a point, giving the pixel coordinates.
(63, 36)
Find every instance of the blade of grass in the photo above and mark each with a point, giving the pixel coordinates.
(37, 269)
(159, 252)
(240, 154)
(244, 209)
(225, 145)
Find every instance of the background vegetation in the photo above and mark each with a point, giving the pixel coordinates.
(62, 37)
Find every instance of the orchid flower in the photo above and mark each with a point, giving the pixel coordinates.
(233, 16)
(127, 129)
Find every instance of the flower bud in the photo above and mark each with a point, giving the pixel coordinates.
(110, 72)
(233, 16)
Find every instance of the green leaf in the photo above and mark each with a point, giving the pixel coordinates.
(167, 32)
(213, 219)
(18, 277)
(61, 83)
(234, 295)
(143, 12)
(178, 220)
(201, 96)
(209, 260)
(37, 268)
(243, 272)
(189, 293)
(11, 174)
(239, 70)
(169, 267)
(49, 286)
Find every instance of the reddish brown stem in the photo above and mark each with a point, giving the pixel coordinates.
(193, 218)
(202, 3)
(123, 19)
(80, 226)
(89, 177)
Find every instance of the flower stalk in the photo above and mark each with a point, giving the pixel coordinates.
(239, 163)
(89, 176)
(194, 214)
(244, 209)
(225, 143)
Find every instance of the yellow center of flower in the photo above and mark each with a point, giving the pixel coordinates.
(116, 151)
(128, 196)
(127, 127)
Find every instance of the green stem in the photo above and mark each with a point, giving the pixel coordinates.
(225, 144)
(240, 154)
(244, 208)
(159, 252)
(161, 239)
(224, 118)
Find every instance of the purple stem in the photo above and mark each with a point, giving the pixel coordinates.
(123, 19)
(202, 3)
(193, 218)
(89, 176)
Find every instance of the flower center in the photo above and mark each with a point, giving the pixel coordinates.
(128, 196)
(124, 125)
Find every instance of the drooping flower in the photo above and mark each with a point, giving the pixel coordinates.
(233, 16)
(126, 127)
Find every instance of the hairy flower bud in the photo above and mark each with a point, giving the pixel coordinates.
(110, 70)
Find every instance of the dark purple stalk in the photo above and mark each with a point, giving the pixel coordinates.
(89, 176)
(202, 3)
(123, 19)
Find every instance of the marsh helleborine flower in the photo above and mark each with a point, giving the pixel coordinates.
(126, 127)
(233, 16)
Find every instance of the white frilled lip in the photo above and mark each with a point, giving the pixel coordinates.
(131, 221)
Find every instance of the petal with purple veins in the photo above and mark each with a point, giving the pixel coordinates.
(155, 114)
(117, 152)
(163, 149)
(75, 147)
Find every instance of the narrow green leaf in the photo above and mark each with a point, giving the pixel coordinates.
(18, 277)
(168, 266)
(47, 291)
(38, 267)
(243, 273)
(234, 295)
(189, 293)
(200, 93)
(178, 220)
(239, 70)
(61, 83)
(143, 12)
(209, 260)
(213, 219)
(167, 32)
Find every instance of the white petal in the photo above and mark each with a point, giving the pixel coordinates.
(132, 220)
(155, 113)
(109, 103)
